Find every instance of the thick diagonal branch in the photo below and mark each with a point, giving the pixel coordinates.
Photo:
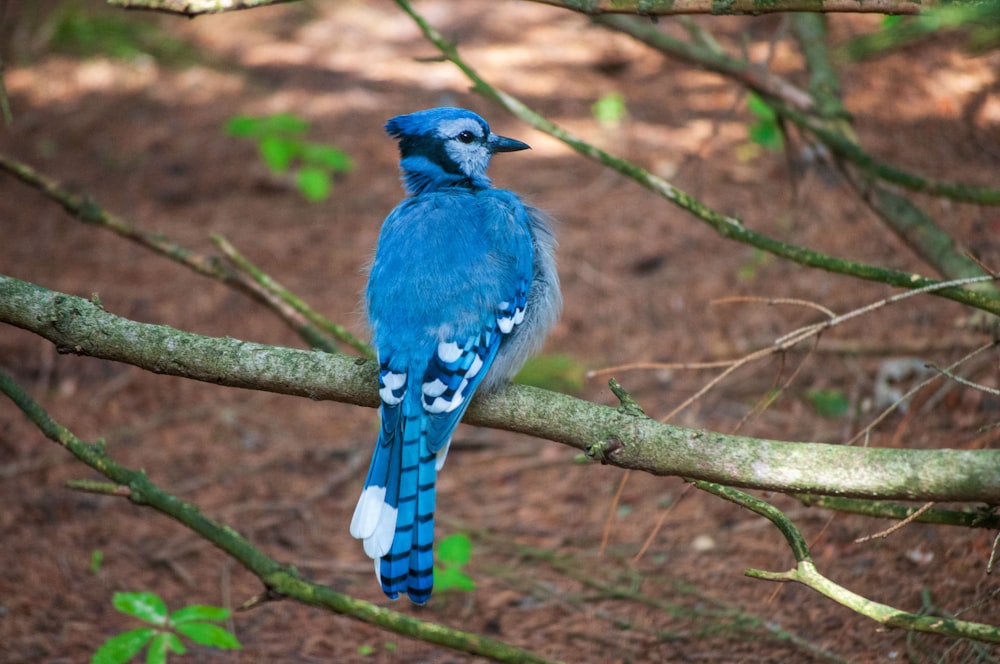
(609, 435)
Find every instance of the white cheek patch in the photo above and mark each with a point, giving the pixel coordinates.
(471, 158)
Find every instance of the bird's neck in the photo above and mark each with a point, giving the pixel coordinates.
(421, 175)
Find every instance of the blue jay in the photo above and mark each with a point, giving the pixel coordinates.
(462, 289)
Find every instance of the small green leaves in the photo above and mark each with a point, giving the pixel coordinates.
(246, 126)
(453, 552)
(282, 148)
(123, 647)
(829, 403)
(96, 560)
(314, 183)
(199, 612)
(765, 130)
(610, 109)
(144, 606)
(207, 634)
(163, 639)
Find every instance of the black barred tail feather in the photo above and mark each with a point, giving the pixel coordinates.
(395, 515)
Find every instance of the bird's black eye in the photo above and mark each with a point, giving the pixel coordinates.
(466, 136)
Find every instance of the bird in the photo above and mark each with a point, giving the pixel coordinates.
(462, 289)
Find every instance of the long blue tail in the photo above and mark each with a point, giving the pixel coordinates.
(409, 564)
(395, 515)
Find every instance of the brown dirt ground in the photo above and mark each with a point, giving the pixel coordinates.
(639, 279)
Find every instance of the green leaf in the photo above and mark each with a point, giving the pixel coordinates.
(452, 578)
(765, 131)
(122, 647)
(366, 650)
(766, 135)
(145, 606)
(242, 126)
(760, 108)
(317, 154)
(96, 558)
(314, 183)
(558, 372)
(208, 634)
(284, 123)
(609, 109)
(248, 126)
(278, 152)
(174, 643)
(455, 550)
(829, 403)
(199, 612)
(161, 644)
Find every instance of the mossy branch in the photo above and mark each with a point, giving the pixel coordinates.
(805, 572)
(621, 437)
(280, 580)
(731, 7)
(973, 518)
(241, 274)
(640, 7)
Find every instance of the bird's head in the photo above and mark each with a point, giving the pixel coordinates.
(446, 147)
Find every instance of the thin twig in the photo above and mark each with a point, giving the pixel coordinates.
(916, 388)
(87, 210)
(286, 297)
(882, 534)
(965, 381)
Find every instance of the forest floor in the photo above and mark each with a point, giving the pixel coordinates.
(641, 281)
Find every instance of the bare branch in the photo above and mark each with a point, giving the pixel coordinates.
(805, 572)
(754, 7)
(193, 7)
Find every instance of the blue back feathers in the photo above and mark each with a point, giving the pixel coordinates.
(462, 289)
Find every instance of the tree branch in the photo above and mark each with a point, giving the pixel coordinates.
(248, 279)
(729, 7)
(281, 580)
(193, 7)
(981, 518)
(726, 226)
(621, 438)
(805, 572)
(910, 223)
